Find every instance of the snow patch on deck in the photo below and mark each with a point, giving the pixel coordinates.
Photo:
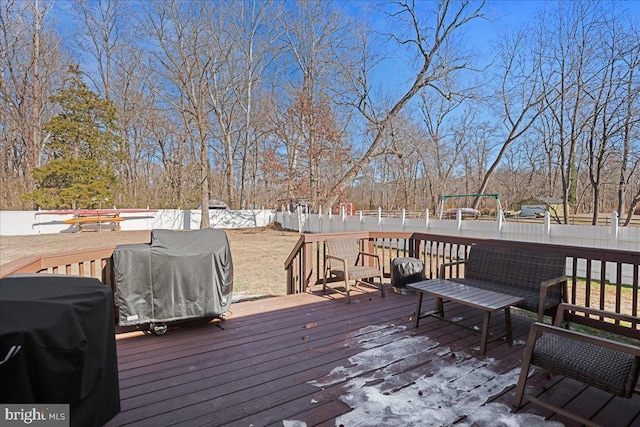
(382, 392)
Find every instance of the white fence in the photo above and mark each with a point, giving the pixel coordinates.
(18, 223)
(612, 236)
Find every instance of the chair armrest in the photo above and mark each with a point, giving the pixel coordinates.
(376, 256)
(369, 254)
(562, 308)
(545, 328)
(444, 265)
(560, 280)
(342, 260)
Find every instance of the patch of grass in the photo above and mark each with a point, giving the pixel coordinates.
(258, 260)
(610, 291)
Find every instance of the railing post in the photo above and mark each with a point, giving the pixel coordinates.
(547, 227)
(361, 221)
(426, 219)
(343, 212)
(280, 215)
(404, 217)
(320, 219)
(330, 219)
(307, 217)
(290, 285)
(307, 274)
(615, 219)
(459, 220)
(300, 222)
(499, 222)
(379, 219)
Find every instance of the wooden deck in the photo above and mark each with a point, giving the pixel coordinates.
(255, 367)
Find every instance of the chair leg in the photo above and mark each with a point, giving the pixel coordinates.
(381, 287)
(347, 290)
(416, 319)
(324, 281)
(522, 382)
(524, 372)
(485, 332)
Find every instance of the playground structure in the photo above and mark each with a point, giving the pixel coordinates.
(466, 211)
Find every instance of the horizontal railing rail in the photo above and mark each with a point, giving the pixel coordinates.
(606, 279)
(89, 263)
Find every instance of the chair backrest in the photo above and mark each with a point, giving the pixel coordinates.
(345, 248)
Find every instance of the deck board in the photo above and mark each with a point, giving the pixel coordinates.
(254, 368)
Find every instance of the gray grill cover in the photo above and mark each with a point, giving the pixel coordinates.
(179, 275)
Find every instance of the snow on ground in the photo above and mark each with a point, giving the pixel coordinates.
(456, 386)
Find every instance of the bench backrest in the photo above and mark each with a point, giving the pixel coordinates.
(522, 268)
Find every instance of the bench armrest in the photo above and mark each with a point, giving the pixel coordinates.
(444, 265)
(560, 280)
(554, 281)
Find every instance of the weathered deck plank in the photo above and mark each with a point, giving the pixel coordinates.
(256, 370)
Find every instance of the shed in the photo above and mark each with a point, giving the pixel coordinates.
(215, 204)
(539, 205)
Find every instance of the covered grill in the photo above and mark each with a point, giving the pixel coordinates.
(180, 275)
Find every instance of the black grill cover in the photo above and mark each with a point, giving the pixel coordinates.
(59, 332)
(179, 275)
(406, 270)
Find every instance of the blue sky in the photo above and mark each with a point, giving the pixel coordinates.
(395, 74)
(480, 33)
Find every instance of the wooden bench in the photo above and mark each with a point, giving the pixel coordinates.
(535, 276)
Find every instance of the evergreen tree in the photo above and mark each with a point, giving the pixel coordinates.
(83, 148)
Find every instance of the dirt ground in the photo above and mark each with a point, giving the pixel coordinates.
(258, 253)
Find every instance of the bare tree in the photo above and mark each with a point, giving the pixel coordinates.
(432, 39)
(31, 63)
(631, 117)
(105, 36)
(632, 205)
(252, 37)
(446, 141)
(100, 35)
(312, 36)
(604, 123)
(567, 48)
(184, 62)
(521, 99)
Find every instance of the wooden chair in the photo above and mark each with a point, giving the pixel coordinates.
(608, 365)
(342, 261)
